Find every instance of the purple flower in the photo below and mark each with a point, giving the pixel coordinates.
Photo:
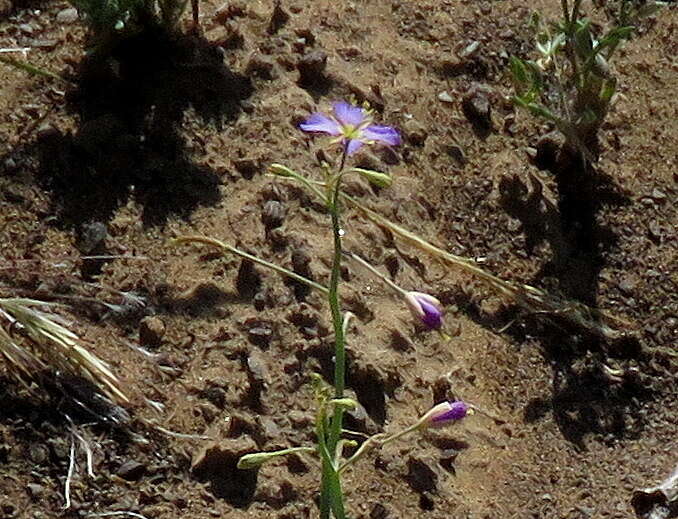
(352, 126)
(426, 308)
(446, 413)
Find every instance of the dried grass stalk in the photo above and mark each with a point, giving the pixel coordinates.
(532, 299)
(35, 342)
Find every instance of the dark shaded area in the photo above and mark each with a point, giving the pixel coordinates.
(202, 301)
(371, 383)
(226, 481)
(130, 104)
(660, 502)
(61, 400)
(588, 396)
(312, 75)
(584, 401)
(12, 7)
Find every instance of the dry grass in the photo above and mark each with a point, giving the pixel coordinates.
(39, 350)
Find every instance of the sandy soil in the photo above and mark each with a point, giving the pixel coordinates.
(173, 137)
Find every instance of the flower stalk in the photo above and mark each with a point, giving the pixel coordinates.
(234, 250)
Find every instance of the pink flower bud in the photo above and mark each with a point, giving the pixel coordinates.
(445, 413)
(426, 308)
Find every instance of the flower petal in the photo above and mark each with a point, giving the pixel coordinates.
(321, 123)
(383, 134)
(433, 317)
(455, 411)
(348, 114)
(352, 146)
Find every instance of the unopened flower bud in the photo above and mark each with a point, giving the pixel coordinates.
(426, 308)
(445, 413)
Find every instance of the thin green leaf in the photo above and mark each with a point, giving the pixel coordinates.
(608, 90)
(541, 111)
(331, 477)
(518, 70)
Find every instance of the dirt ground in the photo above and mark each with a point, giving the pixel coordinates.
(173, 137)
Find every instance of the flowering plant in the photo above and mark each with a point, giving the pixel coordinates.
(352, 126)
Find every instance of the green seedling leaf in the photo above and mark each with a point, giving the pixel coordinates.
(518, 70)
(608, 90)
(583, 41)
(281, 171)
(256, 459)
(541, 111)
(588, 117)
(374, 177)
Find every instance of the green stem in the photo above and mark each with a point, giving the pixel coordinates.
(337, 320)
(331, 484)
(377, 440)
(255, 259)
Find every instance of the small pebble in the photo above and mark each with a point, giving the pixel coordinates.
(311, 67)
(151, 331)
(131, 470)
(445, 97)
(470, 49)
(68, 15)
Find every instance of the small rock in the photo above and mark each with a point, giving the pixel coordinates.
(279, 17)
(457, 153)
(46, 131)
(36, 491)
(131, 470)
(26, 28)
(476, 106)
(415, 132)
(445, 97)
(470, 49)
(658, 194)
(256, 365)
(450, 65)
(261, 66)
(10, 164)
(38, 453)
(151, 331)
(91, 237)
(247, 167)
(300, 419)
(420, 475)
(43, 44)
(270, 429)
(655, 230)
(273, 214)
(379, 511)
(311, 67)
(548, 149)
(68, 15)
(218, 455)
(260, 336)
(627, 285)
(276, 494)
(228, 11)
